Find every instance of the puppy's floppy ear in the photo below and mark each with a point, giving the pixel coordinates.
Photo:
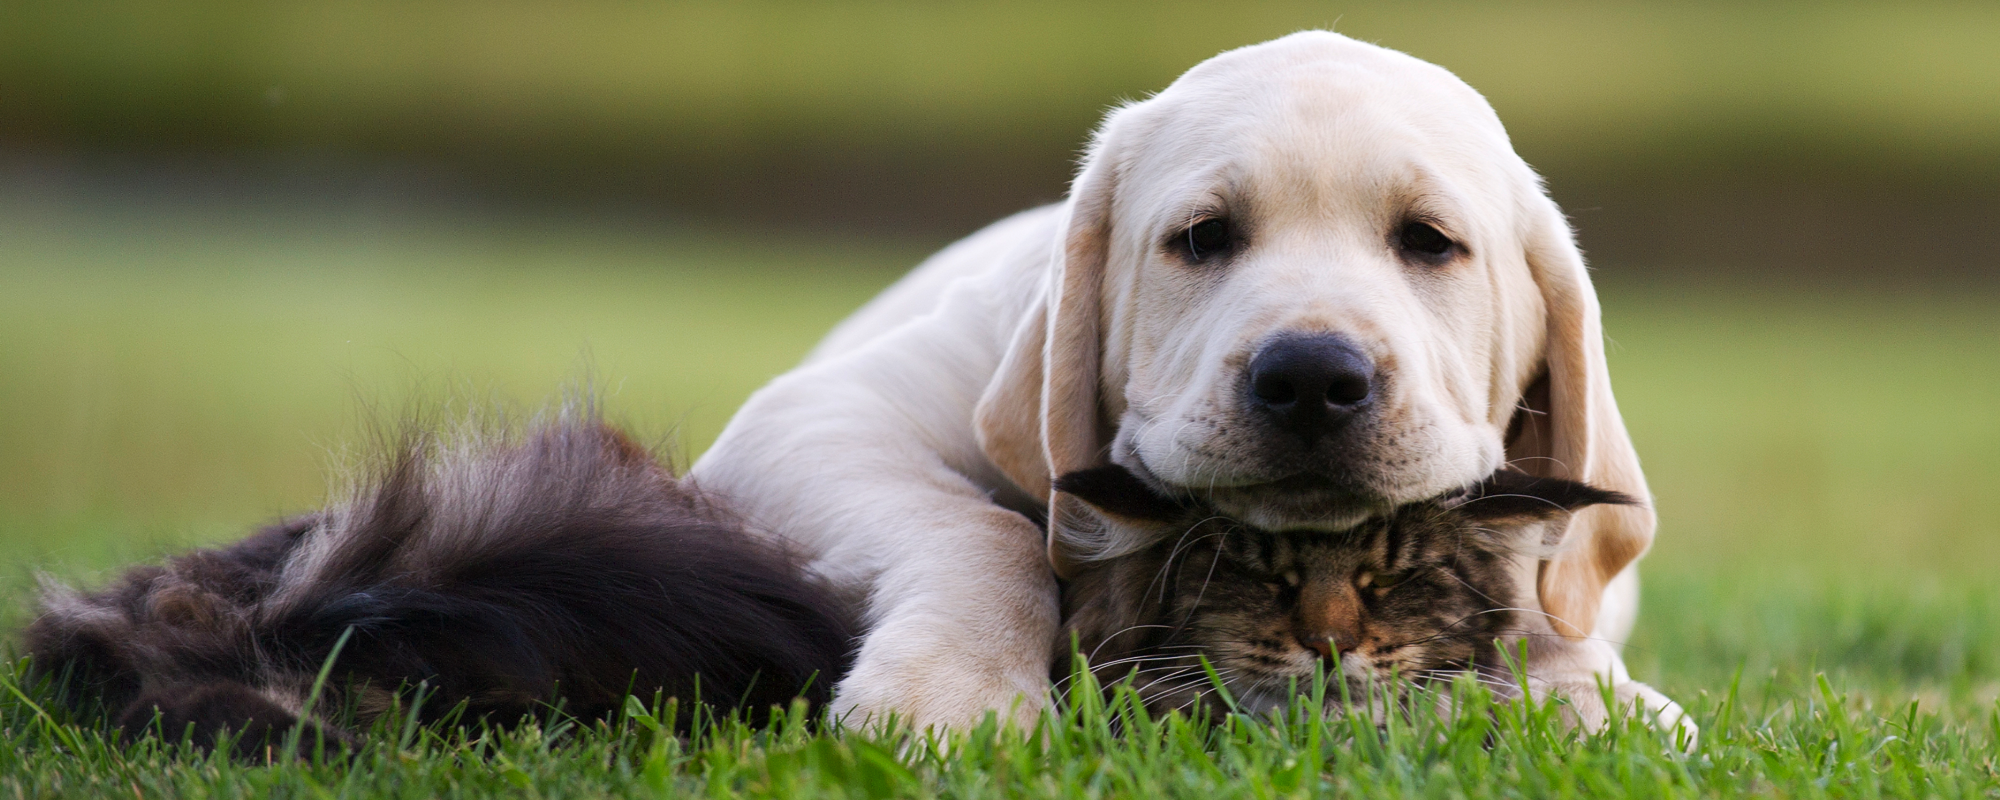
(1569, 427)
(1510, 497)
(1042, 416)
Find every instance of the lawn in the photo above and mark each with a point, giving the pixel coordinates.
(1820, 596)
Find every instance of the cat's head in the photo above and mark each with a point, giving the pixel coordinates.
(1422, 593)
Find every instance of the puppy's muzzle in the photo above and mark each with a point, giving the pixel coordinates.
(1310, 384)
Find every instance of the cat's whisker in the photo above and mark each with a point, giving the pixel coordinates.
(1191, 701)
(1143, 657)
(1206, 579)
(1198, 677)
(1120, 632)
(1173, 560)
(1140, 659)
(1448, 633)
(1137, 659)
(1526, 634)
(1147, 689)
(1454, 674)
(1063, 693)
(1474, 589)
(1174, 665)
(1066, 685)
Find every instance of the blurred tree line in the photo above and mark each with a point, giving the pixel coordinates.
(1810, 138)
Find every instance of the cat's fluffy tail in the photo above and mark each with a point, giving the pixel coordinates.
(562, 569)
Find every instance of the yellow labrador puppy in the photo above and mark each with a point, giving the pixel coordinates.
(1308, 282)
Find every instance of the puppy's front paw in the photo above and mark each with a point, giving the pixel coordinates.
(930, 681)
(940, 699)
(1662, 713)
(1583, 707)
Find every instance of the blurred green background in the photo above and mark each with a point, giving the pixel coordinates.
(231, 234)
(1795, 136)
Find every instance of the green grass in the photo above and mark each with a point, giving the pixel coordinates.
(1820, 595)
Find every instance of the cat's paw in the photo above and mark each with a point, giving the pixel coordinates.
(1583, 706)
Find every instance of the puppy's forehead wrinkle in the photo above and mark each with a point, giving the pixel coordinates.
(1216, 192)
(1321, 136)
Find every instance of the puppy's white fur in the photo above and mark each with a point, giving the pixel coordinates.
(913, 452)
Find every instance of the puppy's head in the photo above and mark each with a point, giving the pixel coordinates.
(1306, 284)
(1318, 304)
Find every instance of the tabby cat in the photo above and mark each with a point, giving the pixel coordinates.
(1422, 594)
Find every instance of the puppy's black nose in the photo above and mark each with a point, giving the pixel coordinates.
(1310, 383)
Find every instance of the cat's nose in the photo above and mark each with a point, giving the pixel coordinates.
(1329, 617)
(1327, 646)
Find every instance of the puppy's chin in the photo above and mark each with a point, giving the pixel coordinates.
(1312, 501)
(1305, 501)
(1331, 486)
(1295, 504)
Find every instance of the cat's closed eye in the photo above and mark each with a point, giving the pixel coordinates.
(1280, 582)
(1381, 582)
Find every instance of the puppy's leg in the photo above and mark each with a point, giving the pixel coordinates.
(955, 592)
(1575, 671)
(1619, 609)
(962, 625)
(958, 601)
(1584, 707)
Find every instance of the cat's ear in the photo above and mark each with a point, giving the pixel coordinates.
(1509, 497)
(1114, 490)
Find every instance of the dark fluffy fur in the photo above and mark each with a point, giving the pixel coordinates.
(562, 570)
(1422, 594)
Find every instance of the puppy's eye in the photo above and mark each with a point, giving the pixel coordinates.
(1207, 239)
(1424, 241)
